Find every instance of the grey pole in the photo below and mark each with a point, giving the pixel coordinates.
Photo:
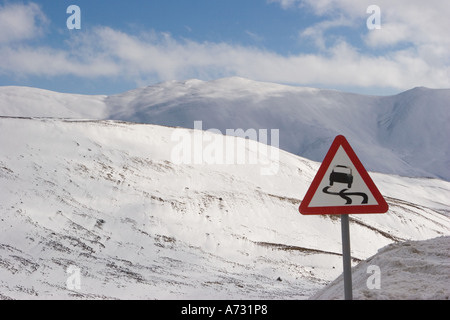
(345, 229)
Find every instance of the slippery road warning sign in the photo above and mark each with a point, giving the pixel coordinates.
(342, 185)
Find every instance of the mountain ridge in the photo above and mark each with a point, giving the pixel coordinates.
(403, 134)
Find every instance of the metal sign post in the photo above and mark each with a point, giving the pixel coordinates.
(343, 186)
(346, 257)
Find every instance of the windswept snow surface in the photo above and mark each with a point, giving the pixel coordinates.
(410, 270)
(109, 200)
(405, 134)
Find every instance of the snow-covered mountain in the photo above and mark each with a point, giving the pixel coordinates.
(405, 134)
(101, 210)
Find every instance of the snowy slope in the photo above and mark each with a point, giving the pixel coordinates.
(411, 270)
(33, 102)
(107, 197)
(405, 134)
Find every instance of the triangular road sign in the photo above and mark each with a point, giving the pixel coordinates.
(342, 185)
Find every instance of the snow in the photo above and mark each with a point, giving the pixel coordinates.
(106, 197)
(33, 102)
(405, 134)
(95, 185)
(410, 270)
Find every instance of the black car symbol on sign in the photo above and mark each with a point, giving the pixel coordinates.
(342, 174)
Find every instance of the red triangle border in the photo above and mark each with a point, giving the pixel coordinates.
(381, 207)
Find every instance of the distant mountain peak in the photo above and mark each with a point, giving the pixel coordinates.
(404, 134)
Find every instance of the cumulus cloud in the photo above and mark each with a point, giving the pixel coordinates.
(412, 22)
(111, 53)
(317, 32)
(412, 40)
(21, 22)
(45, 61)
(403, 21)
(107, 52)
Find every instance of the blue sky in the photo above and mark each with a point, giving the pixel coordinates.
(319, 43)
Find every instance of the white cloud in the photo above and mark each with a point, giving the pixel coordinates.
(413, 40)
(43, 61)
(254, 36)
(317, 32)
(21, 22)
(106, 52)
(285, 4)
(111, 53)
(415, 23)
(411, 21)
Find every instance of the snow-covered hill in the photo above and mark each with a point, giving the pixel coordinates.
(405, 134)
(107, 201)
(411, 270)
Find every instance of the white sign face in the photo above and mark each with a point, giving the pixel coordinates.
(342, 185)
